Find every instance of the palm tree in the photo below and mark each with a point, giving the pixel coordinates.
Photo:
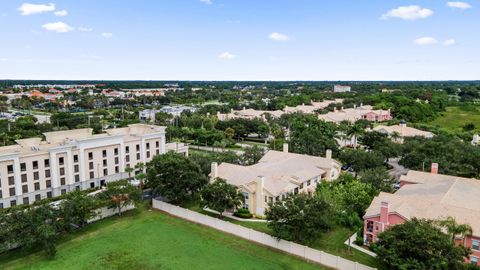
(129, 170)
(455, 229)
(140, 166)
(353, 132)
(395, 136)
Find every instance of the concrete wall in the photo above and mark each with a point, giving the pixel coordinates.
(304, 252)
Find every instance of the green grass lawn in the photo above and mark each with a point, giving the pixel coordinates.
(455, 118)
(153, 240)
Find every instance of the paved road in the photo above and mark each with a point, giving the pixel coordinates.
(397, 169)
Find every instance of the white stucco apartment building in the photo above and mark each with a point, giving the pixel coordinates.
(35, 169)
(277, 175)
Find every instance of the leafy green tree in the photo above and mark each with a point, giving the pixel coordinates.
(455, 229)
(361, 160)
(175, 177)
(301, 218)
(253, 154)
(418, 244)
(77, 208)
(378, 177)
(120, 194)
(220, 196)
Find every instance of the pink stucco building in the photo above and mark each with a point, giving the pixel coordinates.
(430, 196)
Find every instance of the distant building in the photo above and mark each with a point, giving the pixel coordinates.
(356, 113)
(429, 196)
(249, 114)
(149, 114)
(310, 109)
(403, 131)
(341, 88)
(277, 175)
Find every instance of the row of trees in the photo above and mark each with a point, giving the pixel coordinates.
(41, 226)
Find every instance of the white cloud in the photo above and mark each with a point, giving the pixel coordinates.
(207, 2)
(59, 27)
(61, 13)
(107, 35)
(85, 29)
(409, 13)
(450, 42)
(29, 9)
(460, 5)
(425, 41)
(227, 56)
(278, 36)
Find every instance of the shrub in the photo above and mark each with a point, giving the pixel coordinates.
(243, 213)
(359, 240)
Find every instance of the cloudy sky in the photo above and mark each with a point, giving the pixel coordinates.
(240, 39)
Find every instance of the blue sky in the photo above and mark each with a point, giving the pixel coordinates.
(240, 39)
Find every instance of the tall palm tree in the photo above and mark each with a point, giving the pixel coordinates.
(353, 132)
(129, 170)
(455, 229)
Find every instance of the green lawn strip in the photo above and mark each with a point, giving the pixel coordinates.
(154, 240)
(455, 118)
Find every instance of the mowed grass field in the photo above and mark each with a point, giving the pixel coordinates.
(145, 239)
(455, 118)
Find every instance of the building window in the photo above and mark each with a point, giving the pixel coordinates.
(63, 191)
(23, 167)
(309, 182)
(148, 145)
(75, 168)
(295, 190)
(35, 165)
(24, 178)
(25, 189)
(148, 154)
(49, 194)
(138, 156)
(77, 178)
(127, 149)
(1, 205)
(11, 191)
(38, 197)
(61, 161)
(117, 169)
(127, 158)
(26, 201)
(115, 151)
(137, 147)
(475, 244)
(266, 199)
(104, 153)
(62, 171)
(90, 155)
(13, 202)
(157, 144)
(1, 195)
(473, 260)
(301, 185)
(104, 162)
(77, 188)
(91, 175)
(90, 165)
(46, 162)
(10, 168)
(75, 158)
(47, 173)
(36, 186)
(11, 180)
(48, 183)
(62, 181)
(36, 176)
(105, 171)
(116, 160)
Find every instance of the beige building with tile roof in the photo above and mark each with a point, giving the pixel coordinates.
(403, 131)
(277, 175)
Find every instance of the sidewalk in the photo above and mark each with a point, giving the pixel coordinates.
(230, 215)
(361, 249)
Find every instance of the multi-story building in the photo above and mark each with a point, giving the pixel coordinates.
(35, 169)
(429, 196)
(402, 131)
(356, 113)
(277, 175)
(341, 88)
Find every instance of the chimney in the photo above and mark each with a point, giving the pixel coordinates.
(244, 108)
(334, 109)
(328, 154)
(259, 199)
(434, 168)
(342, 108)
(361, 104)
(214, 170)
(285, 147)
(384, 209)
(354, 106)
